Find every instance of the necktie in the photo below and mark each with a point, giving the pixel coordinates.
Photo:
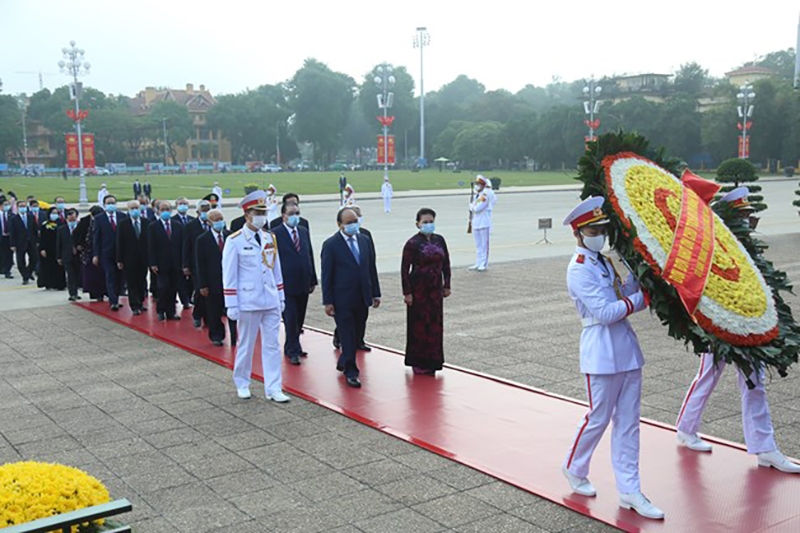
(258, 238)
(220, 242)
(61, 215)
(169, 230)
(352, 243)
(25, 221)
(5, 223)
(113, 223)
(136, 228)
(296, 240)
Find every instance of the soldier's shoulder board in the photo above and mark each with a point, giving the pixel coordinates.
(235, 234)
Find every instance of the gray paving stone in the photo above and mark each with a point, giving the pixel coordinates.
(401, 520)
(246, 440)
(501, 495)
(269, 501)
(500, 524)
(460, 478)
(456, 509)
(381, 472)
(207, 518)
(313, 519)
(165, 478)
(174, 437)
(328, 486)
(362, 505)
(236, 484)
(415, 490)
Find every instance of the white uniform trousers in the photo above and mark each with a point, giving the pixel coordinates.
(268, 322)
(482, 247)
(387, 205)
(756, 420)
(612, 398)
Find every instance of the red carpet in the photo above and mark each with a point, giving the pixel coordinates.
(520, 435)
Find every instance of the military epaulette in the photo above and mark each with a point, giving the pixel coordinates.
(580, 259)
(235, 234)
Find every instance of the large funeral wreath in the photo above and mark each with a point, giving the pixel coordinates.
(741, 316)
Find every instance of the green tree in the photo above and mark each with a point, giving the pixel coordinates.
(179, 126)
(736, 172)
(479, 145)
(443, 147)
(10, 128)
(321, 100)
(404, 109)
(690, 79)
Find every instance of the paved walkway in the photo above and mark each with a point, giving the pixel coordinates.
(164, 428)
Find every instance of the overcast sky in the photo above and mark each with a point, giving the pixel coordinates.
(232, 45)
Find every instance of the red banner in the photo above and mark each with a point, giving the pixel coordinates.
(88, 150)
(689, 260)
(744, 152)
(73, 159)
(383, 150)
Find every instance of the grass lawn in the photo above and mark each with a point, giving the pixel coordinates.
(196, 186)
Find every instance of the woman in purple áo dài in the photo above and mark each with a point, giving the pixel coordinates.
(425, 272)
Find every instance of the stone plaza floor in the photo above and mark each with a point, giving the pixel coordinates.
(164, 428)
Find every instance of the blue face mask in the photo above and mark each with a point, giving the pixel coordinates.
(164, 215)
(54, 217)
(135, 212)
(111, 208)
(183, 209)
(61, 206)
(35, 210)
(6, 208)
(293, 220)
(203, 215)
(72, 224)
(351, 229)
(428, 228)
(219, 225)
(23, 210)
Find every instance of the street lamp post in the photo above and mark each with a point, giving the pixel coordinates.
(73, 65)
(745, 110)
(385, 80)
(421, 39)
(23, 106)
(164, 127)
(278, 142)
(591, 107)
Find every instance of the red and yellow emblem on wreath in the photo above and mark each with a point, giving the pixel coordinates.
(689, 247)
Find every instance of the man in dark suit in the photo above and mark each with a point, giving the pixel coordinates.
(24, 241)
(290, 198)
(6, 257)
(299, 276)
(182, 218)
(362, 327)
(104, 247)
(349, 286)
(147, 212)
(147, 189)
(237, 224)
(164, 256)
(208, 276)
(191, 231)
(137, 188)
(61, 204)
(67, 252)
(132, 255)
(342, 185)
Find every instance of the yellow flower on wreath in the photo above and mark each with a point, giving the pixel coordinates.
(31, 490)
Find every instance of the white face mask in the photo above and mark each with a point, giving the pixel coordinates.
(259, 221)
(595, 244)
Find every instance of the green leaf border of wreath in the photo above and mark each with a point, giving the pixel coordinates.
(779, 354)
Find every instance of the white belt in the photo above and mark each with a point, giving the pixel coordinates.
(589, 321)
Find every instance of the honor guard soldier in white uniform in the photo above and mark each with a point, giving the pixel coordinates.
(273, 210)
(386, 193)
(481, 210)
(252, 284)
(610, 358)
(349, 198)
(756, 420)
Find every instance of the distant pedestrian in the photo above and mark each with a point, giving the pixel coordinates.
(147, 189)
(386, 193)
(101, 194)
(342, 185)
(349, 198)
(137, 188)
(425, 275)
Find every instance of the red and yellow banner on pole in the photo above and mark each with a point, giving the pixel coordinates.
(73, 157)
(689, 260)
(386, 150)
(744, 147)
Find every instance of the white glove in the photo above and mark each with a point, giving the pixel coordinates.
(233, 313)
(283, 306)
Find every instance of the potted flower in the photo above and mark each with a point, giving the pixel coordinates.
(250, 187)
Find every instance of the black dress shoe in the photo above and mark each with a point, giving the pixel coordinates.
(216, 343)
(196, 323)
(303, 354)
(136, 312)
(336, 343)
(339, 368)
(353, 382)
(294, 360)
(173, 317)
(143, 309)
(78, 297)
(114, 307)
(364, 348)
(162, 317)
(9, 276)
(25, 281)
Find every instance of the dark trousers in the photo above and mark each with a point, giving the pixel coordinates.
(215, 308)
(296, 305)
(113, 280)
(361, 332)
(347, 323)
(6, 257)
(185, 289)
(73, 270)
(200, 304)
(154, 284)
(26, 262)
(136, 279)
(167, 289)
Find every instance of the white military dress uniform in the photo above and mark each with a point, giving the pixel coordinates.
(273, 209)
(349, 197)
(481, 209)
(253, 287)
(611, 360)
(386, 193)
(759, 435)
